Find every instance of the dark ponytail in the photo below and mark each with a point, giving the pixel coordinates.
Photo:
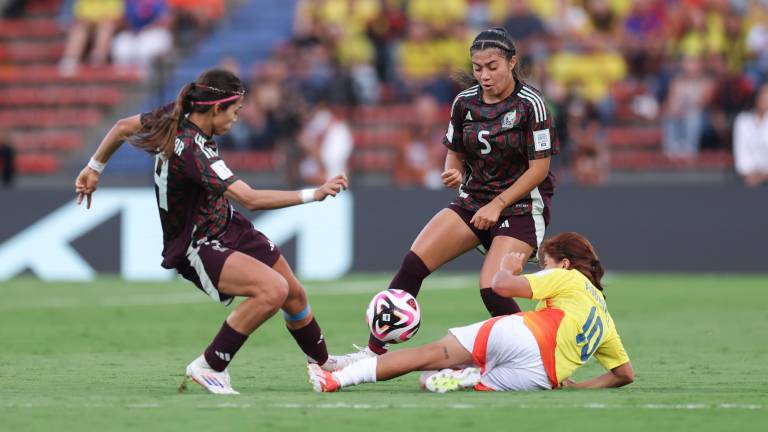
(492, 38)
(159, 134)
(579, 252)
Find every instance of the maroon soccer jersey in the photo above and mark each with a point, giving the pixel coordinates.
(189, 187)
(497, 141)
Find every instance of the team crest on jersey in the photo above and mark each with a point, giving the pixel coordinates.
(510, 120)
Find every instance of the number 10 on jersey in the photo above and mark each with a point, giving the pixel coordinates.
(591, 333)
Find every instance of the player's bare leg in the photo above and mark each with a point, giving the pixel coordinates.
(496, 304)
(266, 290)
(445, 353)
(444, 238)
(300, 320)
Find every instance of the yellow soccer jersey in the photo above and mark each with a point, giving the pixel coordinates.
(571, 323)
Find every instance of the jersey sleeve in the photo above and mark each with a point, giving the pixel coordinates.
(453, 137)
(206, 168)
(540, 133)
(611, 353)
(546, 283)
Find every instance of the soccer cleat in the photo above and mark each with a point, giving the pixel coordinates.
(337, 362)
(450, 379)
(213, 381)
(322, 381)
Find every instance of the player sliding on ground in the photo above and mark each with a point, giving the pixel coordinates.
(204, 238)
(524, 351)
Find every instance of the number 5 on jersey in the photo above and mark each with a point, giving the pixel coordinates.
(486, 145)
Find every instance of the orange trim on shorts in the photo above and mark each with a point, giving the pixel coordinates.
(480, 348)
(544, 324)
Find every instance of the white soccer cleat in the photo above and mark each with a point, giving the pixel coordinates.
(337, 362)
(450, 379)
(322, 380)
(213, 381)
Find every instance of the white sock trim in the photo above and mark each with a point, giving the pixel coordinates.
(362, 371)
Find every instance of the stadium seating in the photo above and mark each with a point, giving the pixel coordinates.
(44, 114)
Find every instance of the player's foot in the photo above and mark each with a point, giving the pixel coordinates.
(322, 381)
(450, 379)
(336, 362)
(213, 381)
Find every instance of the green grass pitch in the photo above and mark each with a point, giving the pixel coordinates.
(110, 355)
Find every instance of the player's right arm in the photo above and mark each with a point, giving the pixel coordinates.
(454, 169)
(453, 175)
(256, 199)
(507, 282)
(88, 179)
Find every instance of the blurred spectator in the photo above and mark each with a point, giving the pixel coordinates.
(191, 19)
(146, 37)
(750, 141)
(642, 37)
(757, 47)
(523, 26)
(99, 18)
(590, 71)
(420, 156)
(7, 162)
(689, 94)
(12, 8)
(327, 143)
(584, 140)
(384, 30)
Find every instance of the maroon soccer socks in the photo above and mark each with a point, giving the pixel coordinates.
(224, 347)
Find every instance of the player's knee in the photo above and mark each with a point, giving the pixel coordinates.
(275, 292)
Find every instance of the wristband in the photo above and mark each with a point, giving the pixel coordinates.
(96, 165)
(307, 195)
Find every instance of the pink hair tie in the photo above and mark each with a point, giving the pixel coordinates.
(214, 102)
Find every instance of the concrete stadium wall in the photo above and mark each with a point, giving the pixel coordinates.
(665, 228)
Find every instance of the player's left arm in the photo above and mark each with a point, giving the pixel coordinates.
(616, 377)
(612, 355)
(256, 199)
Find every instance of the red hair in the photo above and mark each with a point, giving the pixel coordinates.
(579, 252)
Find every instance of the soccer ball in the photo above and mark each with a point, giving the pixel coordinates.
(393, 316)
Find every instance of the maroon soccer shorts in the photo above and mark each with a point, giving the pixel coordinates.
(527, 228)
(205, 259)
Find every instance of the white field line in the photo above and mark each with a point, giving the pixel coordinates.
(196, 296)
(378, 407)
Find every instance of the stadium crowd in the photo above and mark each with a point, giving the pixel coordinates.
(689, 66)
(133, 33)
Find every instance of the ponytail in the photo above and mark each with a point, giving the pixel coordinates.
(213, 87)
(159, 135)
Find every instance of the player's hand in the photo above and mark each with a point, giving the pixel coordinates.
(85, 185)
(452, 178)
(487, 216)
(332, 187)
(513, 262)
(568, 383)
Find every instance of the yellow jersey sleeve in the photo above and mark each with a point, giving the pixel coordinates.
(611, 353)
(547, 283)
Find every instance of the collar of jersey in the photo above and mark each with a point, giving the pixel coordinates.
(195, 127)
